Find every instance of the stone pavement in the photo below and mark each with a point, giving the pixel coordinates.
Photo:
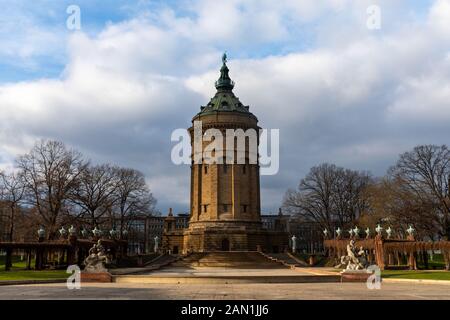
(223, 275)
(401, 291)
(213, 286)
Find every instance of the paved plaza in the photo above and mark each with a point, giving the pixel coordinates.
(226, 283)
(315, 291)
(205, 283)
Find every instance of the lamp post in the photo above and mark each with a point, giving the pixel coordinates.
(72, 231)
(338, 232)
(367, 231)
(113, 233)
(389, 232)
(84, 233)
(411, 232)
(155, 248)
(97, 233)
(41, 234)
(63, 232)
(379, 229)
(356, 231)
(39, 253)
(351, 232)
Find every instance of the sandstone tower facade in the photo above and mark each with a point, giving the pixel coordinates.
(225, 204)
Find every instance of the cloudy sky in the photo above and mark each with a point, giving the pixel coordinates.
(338, 91)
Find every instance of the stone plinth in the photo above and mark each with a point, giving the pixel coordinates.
(355, 275)
(96, 277)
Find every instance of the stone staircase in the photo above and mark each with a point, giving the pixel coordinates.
(162, 260)
(286, 259)
(228, 259)
(155, 264)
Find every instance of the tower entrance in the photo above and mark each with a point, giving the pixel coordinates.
(225, 245)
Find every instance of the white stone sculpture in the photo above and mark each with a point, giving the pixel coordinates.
(155, 249)
(354, 260)
(96, 260)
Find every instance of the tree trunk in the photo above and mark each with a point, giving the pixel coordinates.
(29, 256)
(11, 228)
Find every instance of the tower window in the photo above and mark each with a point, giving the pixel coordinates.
(205, 208)
(225, 168)
(244, 208)
(244, 169)
(206, 169)
(225, 207)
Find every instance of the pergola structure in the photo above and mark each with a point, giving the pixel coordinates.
(69, 250)
(390, 253)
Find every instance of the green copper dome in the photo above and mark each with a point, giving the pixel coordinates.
(224, 99)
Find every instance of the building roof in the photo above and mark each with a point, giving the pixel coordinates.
(224, 100)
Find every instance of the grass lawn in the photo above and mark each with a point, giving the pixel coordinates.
(17, 263)
(18, 271)
(413, 274)
(33, 275)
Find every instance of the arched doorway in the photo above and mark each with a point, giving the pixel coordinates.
(225, 245)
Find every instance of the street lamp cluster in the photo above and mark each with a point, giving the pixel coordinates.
(355, 232)
(72, 231)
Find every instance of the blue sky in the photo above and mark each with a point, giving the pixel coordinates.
(137, 70)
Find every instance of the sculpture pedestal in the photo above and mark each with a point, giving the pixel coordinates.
(355, 275)
(96, 277)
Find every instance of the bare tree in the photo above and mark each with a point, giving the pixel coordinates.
(50, 172)
(329, 195)
(391, 202)
(12, 189)
(425, 173)
(95, 191)
(349, 199)
(133, 197)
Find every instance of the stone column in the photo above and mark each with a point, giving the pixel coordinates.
(29, 257)
(71, 250)
(379, 252)
(8, 260)
(412, 261)
(390, 259)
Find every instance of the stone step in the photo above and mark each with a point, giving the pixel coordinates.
(224, 279)
(286, 259)
(237, 259)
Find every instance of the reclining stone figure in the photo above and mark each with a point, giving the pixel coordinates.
(96, 260)
(353, 260)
